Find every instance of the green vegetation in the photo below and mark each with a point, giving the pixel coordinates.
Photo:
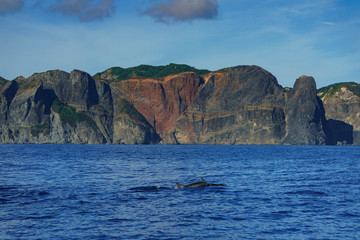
(332, 89)
(148, 71)
(126, 108)
(37, 129)
(69, 115)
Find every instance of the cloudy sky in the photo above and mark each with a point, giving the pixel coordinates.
(319, 38)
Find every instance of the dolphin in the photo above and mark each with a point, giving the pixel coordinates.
(203, 183)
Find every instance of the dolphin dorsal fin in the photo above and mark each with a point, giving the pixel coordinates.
(203, 180)
(179, 185)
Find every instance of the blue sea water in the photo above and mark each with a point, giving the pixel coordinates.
(128, 192)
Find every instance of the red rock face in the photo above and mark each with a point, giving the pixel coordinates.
(161, 102)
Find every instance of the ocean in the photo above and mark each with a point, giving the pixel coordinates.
(129, 192)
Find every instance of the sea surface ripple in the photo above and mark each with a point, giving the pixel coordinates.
(129, 192)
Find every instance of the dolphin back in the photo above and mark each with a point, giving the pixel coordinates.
(203, 183)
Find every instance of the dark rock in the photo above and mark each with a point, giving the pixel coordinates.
(339, 133)
(240, 105)
(7, 94)
(83, 111)
(3, 82)
(77, 88)
(305, 114)
(27, 106)
(356, 137)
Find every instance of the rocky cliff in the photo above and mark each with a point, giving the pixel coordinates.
(173, 104)
(161, 102)
(306, 123)
(60, 107)
(246, 105)
(3, 81)
(342, 107)
(241, 105)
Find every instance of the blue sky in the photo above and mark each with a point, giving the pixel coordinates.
(289, 38)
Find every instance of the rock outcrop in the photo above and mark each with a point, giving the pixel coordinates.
(3, 81)
(305, 114)
(246, 105)
(240, 105)
(174, 104)
(342, 108)
(60, 107)
(161, 102)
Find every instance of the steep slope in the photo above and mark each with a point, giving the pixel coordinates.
(3, 81)
(159, 93)
(130, 126)
(161, 102)
(240, 105)
(246, 105)
(342, 105)
(60, 107)
(173, 104)
(305, 114)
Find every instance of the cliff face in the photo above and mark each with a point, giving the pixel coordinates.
(246, 105)
(58, 107)
(161, 102)
(305, 114)
(342, 108)
(3, 81)
(238, 105)
(241, 105)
